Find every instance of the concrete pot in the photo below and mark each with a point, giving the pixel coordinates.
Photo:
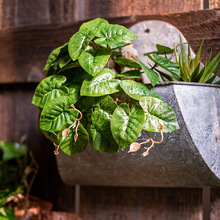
(189, 157)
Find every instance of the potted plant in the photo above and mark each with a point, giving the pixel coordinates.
(82, 100)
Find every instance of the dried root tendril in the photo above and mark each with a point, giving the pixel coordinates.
(136, 146)
(56, 151)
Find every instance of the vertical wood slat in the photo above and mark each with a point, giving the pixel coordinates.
(125, 203)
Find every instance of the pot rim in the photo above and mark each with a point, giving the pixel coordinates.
(186, 84)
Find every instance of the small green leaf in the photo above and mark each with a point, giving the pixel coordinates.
(93, 61)
(55, 55)
(100, 125)
(125, 125)
(74, 92)
(12, 150)
(129, 74)
(114, 33)
(137, 90)
(7, 213)
(117, 45)
(157, 111)
(100, 142)
(161, 49)
(49, 89)
(94, 24)
(56, 114)
(68, 144)
(64, 60)
(127, 62)
(102, 84)
(152, 76)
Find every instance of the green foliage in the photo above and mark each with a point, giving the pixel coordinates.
(12, 165)
(185, 68)
(83, 99)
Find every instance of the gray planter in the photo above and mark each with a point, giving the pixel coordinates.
(189, 157)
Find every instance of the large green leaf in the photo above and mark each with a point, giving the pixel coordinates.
(93, 61)
(80, 40)
(56, 114)
(158, 112)
(48, 89)
(12, 150)
(137, 90)
(152, 76)
(74, 92)
(125, 125)
(114, 33)
(7, 213)
(102, 84)
(68, 144)
(55, 55)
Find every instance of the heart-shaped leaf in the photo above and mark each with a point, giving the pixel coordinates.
(49, 89)
(114, 33)
(102, 84)
(80, 40)
(126, 125)
(55, 55)
(56, 114)
(137, 90)
(152, 76)
(93, 61)
(158, 112)
(68, 144)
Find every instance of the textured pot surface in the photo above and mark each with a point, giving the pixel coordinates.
(189, 157)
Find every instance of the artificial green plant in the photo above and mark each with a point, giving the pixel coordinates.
(185, 67)
(82, 99)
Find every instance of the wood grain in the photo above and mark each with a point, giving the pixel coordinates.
(24, 51)
(214, 4)
(112, 203)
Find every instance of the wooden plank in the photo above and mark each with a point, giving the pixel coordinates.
(25, 50)
(108, 9)
(214, 4)
(111, 203)
(19, 117)
(149, 7)
(28, 13)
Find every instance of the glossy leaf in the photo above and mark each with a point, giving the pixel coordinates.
(93, 61)
(125, 125)
(102, 84)
(55, 55)
(114, 33)
(137, 90)
(64, 60)
(152, 76)
(158, 112)
(74, 92)
(49, 89)
(56, 114)
(117, 45)
(68, 144)
(94, 24)
(127, 62)
(129, 74)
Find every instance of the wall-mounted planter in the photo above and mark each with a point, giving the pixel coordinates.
(189, 157)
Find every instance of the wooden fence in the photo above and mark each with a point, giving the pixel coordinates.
(29, 30)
